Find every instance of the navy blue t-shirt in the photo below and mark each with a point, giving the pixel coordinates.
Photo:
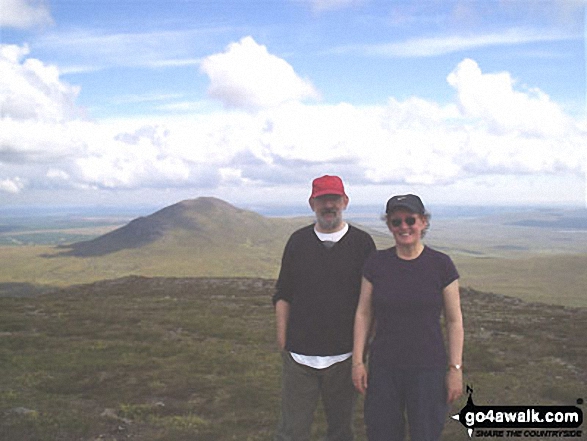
(407, 305)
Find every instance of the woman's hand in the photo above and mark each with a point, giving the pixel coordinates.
(454, 384)
(360, 377)
(455, 333)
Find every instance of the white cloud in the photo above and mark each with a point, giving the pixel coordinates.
(125, 168)
(436, 46)
(95, 50)
(461, 15)
(31, 90)
(247, 76)
(496, 126)
(493, 99)
(24, 14)
(567, 13)
(13, 186)
(330, 5)
(58, 175)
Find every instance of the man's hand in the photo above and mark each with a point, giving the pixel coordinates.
(281, 319)
(360, 377)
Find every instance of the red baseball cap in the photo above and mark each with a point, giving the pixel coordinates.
(327, 185)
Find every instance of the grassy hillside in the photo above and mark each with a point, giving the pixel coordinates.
(199, 226)
(31, 264)
(526, 254)
(195, 359)
(200, 237)
(559, 279)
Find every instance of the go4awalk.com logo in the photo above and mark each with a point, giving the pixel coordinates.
(521, 421)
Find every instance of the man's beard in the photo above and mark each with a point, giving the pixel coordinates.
(329, 224)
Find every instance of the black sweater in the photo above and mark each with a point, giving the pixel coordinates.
(322, 286)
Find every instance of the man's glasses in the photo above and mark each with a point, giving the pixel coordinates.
(398, 221)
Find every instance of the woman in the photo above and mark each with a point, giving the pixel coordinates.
(404, 292)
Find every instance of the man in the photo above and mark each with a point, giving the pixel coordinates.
(315, 301)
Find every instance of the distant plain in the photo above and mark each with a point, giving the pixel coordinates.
(532, 253)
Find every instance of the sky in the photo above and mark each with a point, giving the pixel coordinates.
(149, 102)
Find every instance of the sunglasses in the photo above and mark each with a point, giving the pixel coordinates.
(398, 221)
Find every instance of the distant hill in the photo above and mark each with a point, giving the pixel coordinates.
(560, 224)
(196, 224)
(203, 237)
(198, 237)
(572, 219)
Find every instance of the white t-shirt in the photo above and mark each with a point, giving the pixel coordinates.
(318, 361)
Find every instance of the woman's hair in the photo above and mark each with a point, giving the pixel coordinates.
(427, 215)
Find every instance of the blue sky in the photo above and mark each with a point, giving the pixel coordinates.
(110, 102)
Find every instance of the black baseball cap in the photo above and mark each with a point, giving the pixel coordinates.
(409, 201)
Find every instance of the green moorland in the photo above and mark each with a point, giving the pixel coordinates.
(172, 359)
(551, 278)
(201, 237)
(507, 254)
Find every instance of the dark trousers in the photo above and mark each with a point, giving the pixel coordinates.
(395, 393)
(302, 388)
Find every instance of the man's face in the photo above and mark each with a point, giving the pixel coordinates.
(328, 209)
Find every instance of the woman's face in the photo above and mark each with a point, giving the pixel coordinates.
(406, 226)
